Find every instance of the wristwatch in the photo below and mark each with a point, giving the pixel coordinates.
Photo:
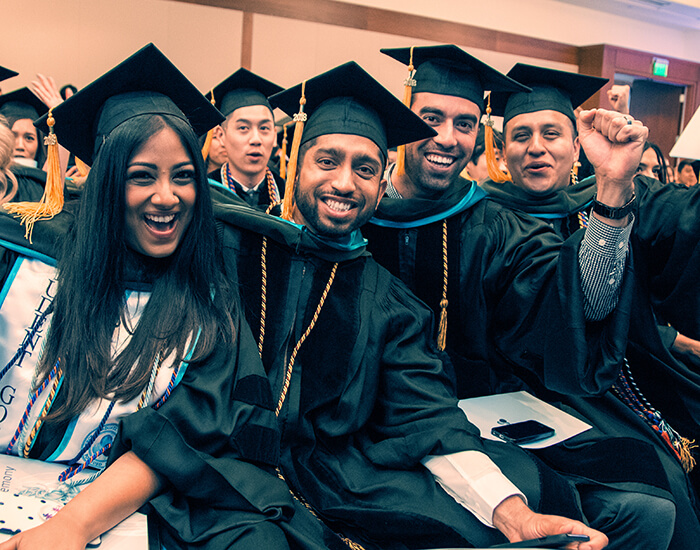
(614, 213)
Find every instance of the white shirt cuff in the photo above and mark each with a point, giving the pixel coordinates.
(474, 481)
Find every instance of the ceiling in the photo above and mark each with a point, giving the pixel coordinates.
(683, 14)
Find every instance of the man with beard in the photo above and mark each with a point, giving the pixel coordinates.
(518, 308)
(366, 410)
(541, 147)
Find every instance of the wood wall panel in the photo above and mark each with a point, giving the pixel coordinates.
(247, 41)
(403, 24)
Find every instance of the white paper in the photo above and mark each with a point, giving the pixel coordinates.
(497, 410)
(30, 492)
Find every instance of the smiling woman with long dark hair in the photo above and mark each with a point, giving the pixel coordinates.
(146, 371)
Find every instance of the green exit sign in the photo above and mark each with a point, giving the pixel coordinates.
(659, 67)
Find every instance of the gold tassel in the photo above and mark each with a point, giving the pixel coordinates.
(283, 153)
(207, 144)
(51, 202)
(409, 84)
(210, 134)
(442, 327)
(299, 119)
(495, 172)
(685, 454)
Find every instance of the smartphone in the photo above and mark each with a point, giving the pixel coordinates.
(552, 541)
(520, 433)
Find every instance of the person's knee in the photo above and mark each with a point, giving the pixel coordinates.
(628, 518)
(646, 511)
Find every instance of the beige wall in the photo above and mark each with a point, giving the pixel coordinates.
(319, 47)
(77, 40)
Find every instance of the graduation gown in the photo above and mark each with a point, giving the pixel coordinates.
(515, 306)
(214, 441)
(663, 262)
(369, 396)
(515, 316)
(30, 183)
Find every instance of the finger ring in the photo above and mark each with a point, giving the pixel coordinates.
(629, 120)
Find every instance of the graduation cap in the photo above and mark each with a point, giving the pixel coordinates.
(145, 83)
(346, 100)
(21, 104)
(449, 70)
(242, 89)
(6, 73)
(552, 90)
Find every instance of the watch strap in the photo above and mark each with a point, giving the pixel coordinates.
(614, 213)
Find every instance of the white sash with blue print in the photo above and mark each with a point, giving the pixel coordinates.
(27, 293)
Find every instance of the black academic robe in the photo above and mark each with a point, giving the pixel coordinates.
(369, 395)
(515, 307)
(515, 317)
(221, 192)
(663, 264)
(30, 183)
(214, 442)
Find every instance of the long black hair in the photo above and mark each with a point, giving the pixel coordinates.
(189, 294)
(662, 173)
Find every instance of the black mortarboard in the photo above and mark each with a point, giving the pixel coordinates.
(449, 70)
(243, 89)
(20, 104)
(6, 73)
(145, 83)
(347, 100)
(552, 90)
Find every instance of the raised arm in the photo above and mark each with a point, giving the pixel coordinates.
(613, 143)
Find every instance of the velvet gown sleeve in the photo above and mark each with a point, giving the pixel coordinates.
(535, 306)
(214, 443)
(416, 411)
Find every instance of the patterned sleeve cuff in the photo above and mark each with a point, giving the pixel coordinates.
(607, 241)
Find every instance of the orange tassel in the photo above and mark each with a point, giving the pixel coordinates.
(51, 202)
(496, 173)
(283, 153)
(409, 84)
(207, 144)
(299, 120)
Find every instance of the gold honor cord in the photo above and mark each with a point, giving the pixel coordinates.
(442, 328)
(288, 373)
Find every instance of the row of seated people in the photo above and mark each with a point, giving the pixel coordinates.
(270, 383)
